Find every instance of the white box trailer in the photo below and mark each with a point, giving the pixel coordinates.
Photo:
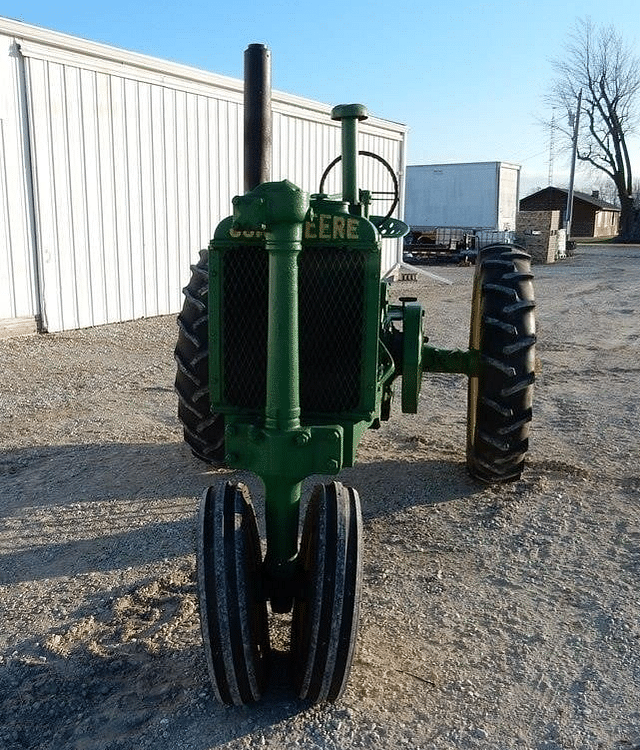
(473, 196)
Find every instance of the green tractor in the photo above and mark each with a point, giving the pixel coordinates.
(288, 351)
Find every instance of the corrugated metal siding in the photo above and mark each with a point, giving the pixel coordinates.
(302, 149)
(131, 180)
(7, 276)
(135, 161)
(17, 272)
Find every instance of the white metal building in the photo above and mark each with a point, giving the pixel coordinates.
(116, 167)
(477, 195)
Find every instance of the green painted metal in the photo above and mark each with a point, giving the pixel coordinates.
(412, 314)
(328, 224)
(278, 209)
(450, 360)
(228, 238)
(350, 115)
(412, 356)
(274, 442)
(274, 229)
(390, 228)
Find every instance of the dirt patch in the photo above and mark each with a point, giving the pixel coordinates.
(493, 617)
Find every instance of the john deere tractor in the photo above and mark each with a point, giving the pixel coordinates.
(288, 351)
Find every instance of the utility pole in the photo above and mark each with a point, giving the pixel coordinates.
(552, 133)
(576, 124)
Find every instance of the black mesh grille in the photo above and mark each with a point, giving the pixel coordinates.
(244, 326)
(331, 301)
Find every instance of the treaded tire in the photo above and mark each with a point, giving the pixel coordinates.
(325, 615)
(499, 404)
(233, 612)
(203, 429)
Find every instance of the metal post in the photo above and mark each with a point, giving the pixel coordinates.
(282, 408)
(282, 517)
(278, 209)
(257, 116)
(569, 211)
(283, 373)
(350, 114)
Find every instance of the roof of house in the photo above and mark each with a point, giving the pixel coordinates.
(577, 195)
(595, 201)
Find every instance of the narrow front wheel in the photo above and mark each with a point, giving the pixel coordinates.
(325, 613)
(233, 611)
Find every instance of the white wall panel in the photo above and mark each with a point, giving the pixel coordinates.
(127, 190)
(18, 299)
(8, 302)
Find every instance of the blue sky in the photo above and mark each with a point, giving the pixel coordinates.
(468, 78)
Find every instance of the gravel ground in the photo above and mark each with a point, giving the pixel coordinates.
(501, 618)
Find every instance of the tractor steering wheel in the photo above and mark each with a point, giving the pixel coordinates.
(396, 190)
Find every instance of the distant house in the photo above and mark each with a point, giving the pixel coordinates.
(592, 217)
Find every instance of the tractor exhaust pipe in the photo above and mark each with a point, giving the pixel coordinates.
(257, 116)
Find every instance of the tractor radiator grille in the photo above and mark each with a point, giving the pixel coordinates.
(331, 305)
(331, 310)
(244, 326)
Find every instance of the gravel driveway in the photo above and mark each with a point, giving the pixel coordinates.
(494, 618)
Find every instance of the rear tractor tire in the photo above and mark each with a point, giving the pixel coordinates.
(499, 406)
(203, 429)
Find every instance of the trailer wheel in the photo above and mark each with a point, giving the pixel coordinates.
(499, 404)
(203, 429)
(325, 613)
(233, 611)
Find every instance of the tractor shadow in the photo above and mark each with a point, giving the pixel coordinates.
(101, 634)
(127, 669)
(386, 487)
(124, 660)
(78, 509)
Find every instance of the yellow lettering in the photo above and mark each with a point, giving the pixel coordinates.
(324, 229)
(330, 227)
(246, 233)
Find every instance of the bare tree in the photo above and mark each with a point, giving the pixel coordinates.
(597, 61)
(607, 191)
